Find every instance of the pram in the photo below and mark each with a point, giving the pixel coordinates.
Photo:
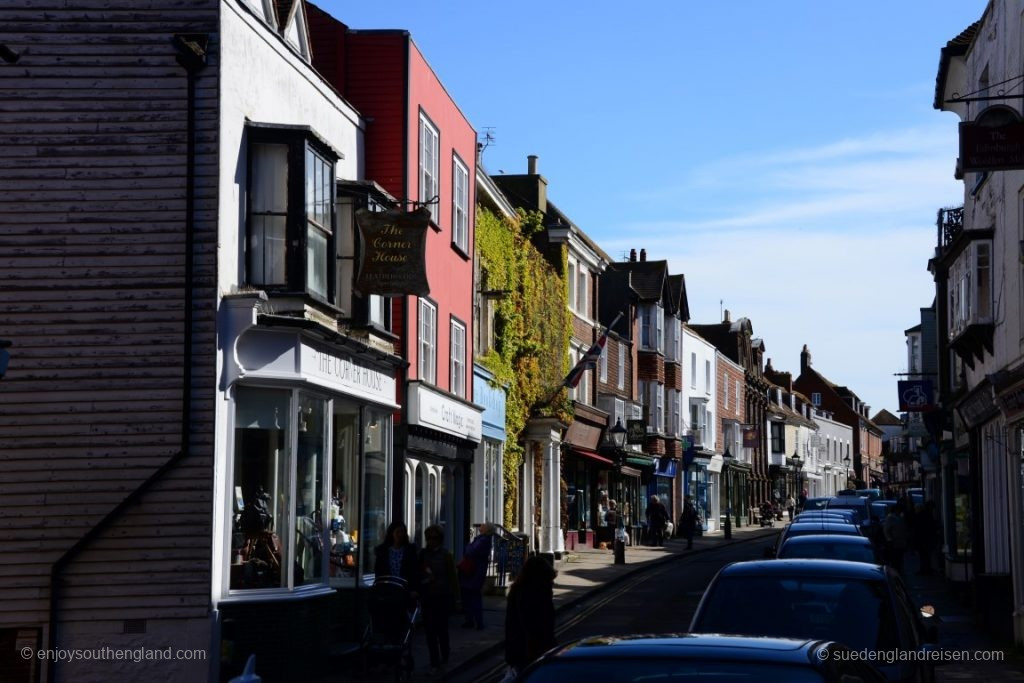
(393, 615)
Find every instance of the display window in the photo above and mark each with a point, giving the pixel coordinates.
(308, 475)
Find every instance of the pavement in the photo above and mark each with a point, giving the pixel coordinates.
(586, 572)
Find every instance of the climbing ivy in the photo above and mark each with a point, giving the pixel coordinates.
(532, 327)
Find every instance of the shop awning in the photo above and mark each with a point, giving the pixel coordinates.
(591, 455)
(630, 472)
(641, 461)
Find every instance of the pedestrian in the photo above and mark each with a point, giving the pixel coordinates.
(924, 536)
(790, 506)
(438, 588)
(657, 520)
(894, 530)
(611, 516)
(530, 614)
(801, 501)
(688, 522)
(472, 571)
(396, 556)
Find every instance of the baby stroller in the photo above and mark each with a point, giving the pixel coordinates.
(393, 614)
(767, 514)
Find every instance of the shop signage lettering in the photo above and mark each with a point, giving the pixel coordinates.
(429, 408)
(344, 372)
(392, 253)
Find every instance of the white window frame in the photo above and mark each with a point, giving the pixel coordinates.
(429, 165)
(571, 281)
(622, 366)
(428, 341)
(460, 204)
(604, 363)
(457, 346)
(707, 377)
(816, 399)
(693, 370)
(582, 303)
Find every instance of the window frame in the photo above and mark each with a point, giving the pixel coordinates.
(299, 142)
(460, 214)
(430, 342)
(457, 366)
(621, 379)
(429, 180)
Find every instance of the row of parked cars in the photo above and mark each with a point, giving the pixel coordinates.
(823, 592)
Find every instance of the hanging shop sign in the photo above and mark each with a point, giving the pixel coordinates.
(994, 142)
(636, 431)
(916, 396)
(978, 406)
(751, 436)
(392, 252)
(1009, 391)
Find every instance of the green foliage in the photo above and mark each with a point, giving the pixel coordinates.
(532, 328)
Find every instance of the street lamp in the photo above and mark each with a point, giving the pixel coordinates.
(797, 462)
(846, 461)
(726, 460)
(617, 434)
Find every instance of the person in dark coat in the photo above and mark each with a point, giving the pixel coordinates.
(472, 572)
(923, 533)
(438, 588)
(530, 614)
(657, 521)
(688, 522)
(396, 556)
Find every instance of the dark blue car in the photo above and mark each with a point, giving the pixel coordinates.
(864, 606)
(688, 657)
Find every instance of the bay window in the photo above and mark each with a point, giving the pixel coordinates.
(970, 288)
(290, 220)
(652, 327)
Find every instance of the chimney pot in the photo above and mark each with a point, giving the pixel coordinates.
(725, 318)
(643, 254)
(632, 254)
(531, 164)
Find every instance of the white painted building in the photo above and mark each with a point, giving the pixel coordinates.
(698, 419)
(835, 441)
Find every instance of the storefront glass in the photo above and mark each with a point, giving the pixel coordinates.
(345, 495)
(309, 491)
(376, 447)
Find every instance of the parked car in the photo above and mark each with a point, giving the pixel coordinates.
(819, 528)
(871, 494)
(880, 508)
(916, 495)
(815, 503)
(858, 504)
(832, 547)
(847, 516)
(615, 659)
(864, 606)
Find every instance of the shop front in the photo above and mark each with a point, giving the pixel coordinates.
(487, 491)
(589, 477)
(736, 492)
(713, 498)
(442, 434)
(304, 457)
(662, 483)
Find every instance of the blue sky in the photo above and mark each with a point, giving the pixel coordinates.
(784, 155)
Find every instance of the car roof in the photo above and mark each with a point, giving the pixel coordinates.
(846, 501)
(690, 646)
(819, 524)
(828, 538)
(841, 569)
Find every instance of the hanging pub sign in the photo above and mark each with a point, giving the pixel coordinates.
(916, 396)
(636, 432)
(750, 437)
(393, 250)
(994, 142)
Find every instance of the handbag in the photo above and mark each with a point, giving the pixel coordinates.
(466, 565)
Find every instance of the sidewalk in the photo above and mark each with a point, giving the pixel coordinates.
(959, 632)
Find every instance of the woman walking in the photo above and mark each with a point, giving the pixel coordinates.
(530, 614)
(396, 556)
(437, 593)
(472, 571)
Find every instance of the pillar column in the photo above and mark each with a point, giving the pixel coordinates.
(546, 433)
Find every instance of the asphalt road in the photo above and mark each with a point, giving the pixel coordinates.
(661, 599)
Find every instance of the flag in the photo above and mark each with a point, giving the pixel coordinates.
(590, 358)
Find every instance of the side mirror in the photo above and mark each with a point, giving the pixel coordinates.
(769, 552)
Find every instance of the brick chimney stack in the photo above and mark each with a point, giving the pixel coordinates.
(632, 255)
(805, 359)
(531, 164)
(725, 317)
(643, 255)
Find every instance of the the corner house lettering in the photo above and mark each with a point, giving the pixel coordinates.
(392, 252)
(347, 371)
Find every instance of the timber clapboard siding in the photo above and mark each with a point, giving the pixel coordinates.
(93, 169)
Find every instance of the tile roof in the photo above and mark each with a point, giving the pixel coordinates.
(646, 278)
(677, 295)
(954, 48)
(884, 417)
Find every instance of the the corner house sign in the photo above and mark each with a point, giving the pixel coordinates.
(392, 254)
(430, 408)
(994, 142)
(289, 357)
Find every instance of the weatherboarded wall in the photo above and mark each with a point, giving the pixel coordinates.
(93, 163)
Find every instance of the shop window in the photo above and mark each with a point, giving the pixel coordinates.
(376, 480)
(345, 495)
(290, 226)
(307, 559)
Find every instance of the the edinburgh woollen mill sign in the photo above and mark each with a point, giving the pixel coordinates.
(393, 248)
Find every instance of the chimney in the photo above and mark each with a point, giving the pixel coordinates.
(805, 359)
(643, 255)
(632, 255)
(725, 317)
(531, 164)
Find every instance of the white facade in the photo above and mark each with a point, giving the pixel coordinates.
(699, 386)
(834, 446)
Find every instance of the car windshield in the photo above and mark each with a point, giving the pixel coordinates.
(828, 551)
(654, 670)
(856, 612)
(815, 503)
